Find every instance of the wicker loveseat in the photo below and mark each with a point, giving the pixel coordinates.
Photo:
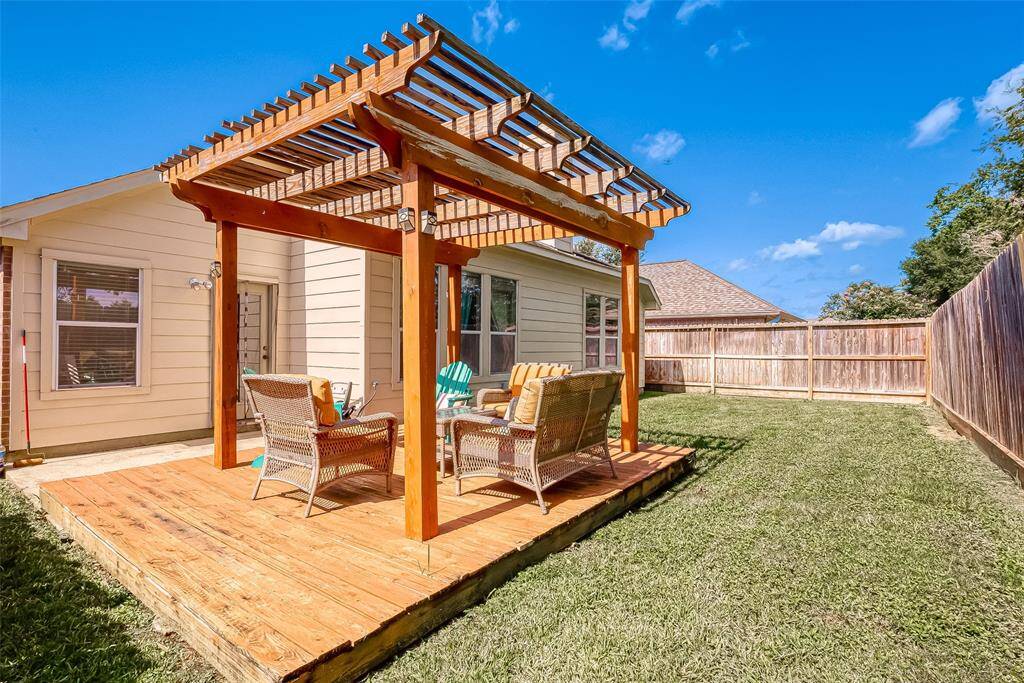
(307, 454)
(498, 399)
(560, 428)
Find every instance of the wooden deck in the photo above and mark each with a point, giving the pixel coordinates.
(266, 595)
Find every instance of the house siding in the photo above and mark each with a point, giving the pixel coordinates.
(150, 224)
(550, 314)
(334, 315)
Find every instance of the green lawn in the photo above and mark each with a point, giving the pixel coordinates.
(815, 541)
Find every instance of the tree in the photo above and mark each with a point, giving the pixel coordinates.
(870, 301)
(596, 250)
(973, 222)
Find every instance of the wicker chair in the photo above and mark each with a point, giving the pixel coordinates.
(308, 455)
(569, 434)
(492, 398)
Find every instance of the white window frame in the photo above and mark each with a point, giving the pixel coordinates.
(396, 319)
(484, 334)
(601, 336)
(49, 332)
(485, 301)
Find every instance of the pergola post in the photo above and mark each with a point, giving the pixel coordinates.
(225, 348)
(418, 355)
(454, 345)
(630, 325)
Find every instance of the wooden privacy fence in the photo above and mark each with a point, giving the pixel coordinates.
(977, 366)
(876, 360)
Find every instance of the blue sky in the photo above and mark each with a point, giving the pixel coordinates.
(809, 137)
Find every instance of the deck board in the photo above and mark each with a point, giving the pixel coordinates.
(267, 595)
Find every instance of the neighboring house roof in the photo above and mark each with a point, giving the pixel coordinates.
(14, 222)
(688, 291)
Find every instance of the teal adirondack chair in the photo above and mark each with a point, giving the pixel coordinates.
(453, 385)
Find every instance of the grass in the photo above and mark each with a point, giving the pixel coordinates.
(64, 619)
(816, 541)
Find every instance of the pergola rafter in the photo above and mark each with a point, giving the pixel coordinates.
(426, 149)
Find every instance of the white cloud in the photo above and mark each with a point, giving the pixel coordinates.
(854, 234)
(739, 42)
(936, 124)
(712, 51)
(546, 93)
(798, 248)
(856, 269)
(512, 25)
(1001, 93)
(739, 264)
(691, 7)
(755, 198)
(486, 22)
(660, 146)
(635, 11)
(613, 39)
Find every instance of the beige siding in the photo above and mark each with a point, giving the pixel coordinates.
(334, 314)
(322, 319)
(146, 224)
(550, 313)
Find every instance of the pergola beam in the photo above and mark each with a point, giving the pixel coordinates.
(510, 228)
(473, 169)
(294, 221)
(477, 125)
(385, 76)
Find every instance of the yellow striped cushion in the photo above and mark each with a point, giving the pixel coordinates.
(526, 406)
(524, 372)
(323, 399)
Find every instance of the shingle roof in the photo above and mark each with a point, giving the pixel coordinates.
(687, 290)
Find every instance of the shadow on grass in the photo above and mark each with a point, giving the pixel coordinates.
(58, 621)
(711, 450)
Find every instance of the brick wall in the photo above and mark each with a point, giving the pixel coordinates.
(5, 346)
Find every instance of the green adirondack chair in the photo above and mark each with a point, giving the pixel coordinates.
(453, 385)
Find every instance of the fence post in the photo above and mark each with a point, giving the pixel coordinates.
(810, 361)
(928, 361)
(714, 369)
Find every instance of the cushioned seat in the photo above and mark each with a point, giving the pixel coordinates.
(498, 399)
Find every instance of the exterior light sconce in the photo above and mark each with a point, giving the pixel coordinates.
(215, 270)
(198, 285)
(428, 221)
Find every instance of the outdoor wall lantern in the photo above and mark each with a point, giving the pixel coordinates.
(215, 270)
(429, 221)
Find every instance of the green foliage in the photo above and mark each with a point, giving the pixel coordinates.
(970, 223)
(870, 301)
(596, 250)
(973, 222)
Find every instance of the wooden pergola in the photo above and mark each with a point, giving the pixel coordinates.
(426, 150)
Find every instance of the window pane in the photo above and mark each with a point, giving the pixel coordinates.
(503, 305)
(592, 358)
(611, 351)
(611, 317)
(471, 301)
(95, 356)
(471, 351)
(503, 353)
(593, 314)
(97, 293)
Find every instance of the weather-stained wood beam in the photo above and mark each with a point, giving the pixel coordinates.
(418, 344)
(477, 125)
(471, 168)
(386, 76)
(284, 219)
(512, 228)
(225, 348)
(346, 169)
(630, 322)
(390, 198)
